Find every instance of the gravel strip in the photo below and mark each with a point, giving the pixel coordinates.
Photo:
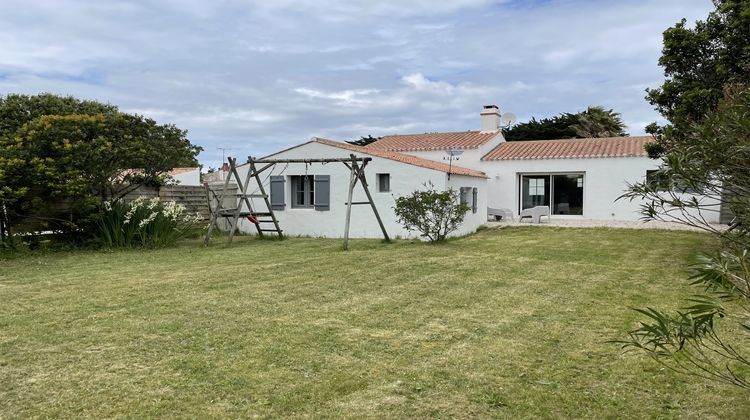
(587, 223)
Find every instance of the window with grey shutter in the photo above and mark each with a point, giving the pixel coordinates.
(277, 192)
(464, 195)
(474, 200)
(322, 192)
(303, 191)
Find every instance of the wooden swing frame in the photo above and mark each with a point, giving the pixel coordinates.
(356, 166)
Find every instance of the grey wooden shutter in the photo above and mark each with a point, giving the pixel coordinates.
(322, 192)
(474, 200)
(277, 192)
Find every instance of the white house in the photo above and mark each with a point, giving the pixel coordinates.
(310, 200)
(575, 178)
(186, 176)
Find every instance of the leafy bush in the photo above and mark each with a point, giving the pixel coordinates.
(60, 157)
(432, 213)
(143, 223)
(711, 158)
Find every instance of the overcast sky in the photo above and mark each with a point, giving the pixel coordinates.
(256, 76)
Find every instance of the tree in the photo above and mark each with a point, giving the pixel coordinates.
(595, 121)
(557, 127)
(364, 141)
(698, 63)
(706, 152)
(598, 122)
(712, 160)
(62, 152)
(432, 213)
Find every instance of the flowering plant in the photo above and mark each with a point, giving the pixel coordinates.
(147, 223)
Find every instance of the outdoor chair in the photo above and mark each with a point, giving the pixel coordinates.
(499, 214)
(535, 213)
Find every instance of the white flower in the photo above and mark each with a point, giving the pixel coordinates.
(153, 203)
(147, 220)
(138, 202)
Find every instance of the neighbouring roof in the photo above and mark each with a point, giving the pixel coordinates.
(399, 157)
(177, 171)
(432, 141)
(571, 148)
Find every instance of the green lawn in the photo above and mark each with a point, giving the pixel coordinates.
(505, 323)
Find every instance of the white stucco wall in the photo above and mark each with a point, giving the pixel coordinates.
(605, 179)
(471, 220)
(468, 159)
(404, 179)
(188, 178)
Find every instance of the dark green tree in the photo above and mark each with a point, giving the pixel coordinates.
(711, 159)
(706, 155)
(599, 122)
(595, 121)
(557, 127)
(64, 153)
(698, 63)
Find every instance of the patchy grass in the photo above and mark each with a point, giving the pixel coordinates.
(505, 323)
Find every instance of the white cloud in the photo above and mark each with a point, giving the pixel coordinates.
(345, 10)
(259, 75)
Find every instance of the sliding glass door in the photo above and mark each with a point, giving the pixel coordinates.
(563, 193)
(535, 191)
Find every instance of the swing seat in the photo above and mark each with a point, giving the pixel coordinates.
(252, 219)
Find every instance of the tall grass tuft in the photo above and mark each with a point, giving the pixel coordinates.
(145, 223)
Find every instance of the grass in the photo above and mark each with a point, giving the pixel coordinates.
(505, 323)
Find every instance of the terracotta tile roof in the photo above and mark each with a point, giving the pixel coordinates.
(432, 141)
(399, 157)
(570, 148)
(408, 159)
(177, 171)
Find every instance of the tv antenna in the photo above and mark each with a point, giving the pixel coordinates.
(453, 154)
(508, 119)
(223, 153)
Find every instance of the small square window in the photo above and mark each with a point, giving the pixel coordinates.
(384, 182)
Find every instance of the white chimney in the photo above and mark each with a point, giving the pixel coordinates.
(490, 118)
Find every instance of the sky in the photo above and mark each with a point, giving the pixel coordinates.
(256, 76)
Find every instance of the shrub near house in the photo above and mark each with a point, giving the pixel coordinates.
(432, 213)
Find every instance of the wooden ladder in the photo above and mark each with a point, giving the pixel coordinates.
(233, 215)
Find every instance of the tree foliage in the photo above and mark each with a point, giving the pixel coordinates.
(432, 213)
(595, 121)
(706, 156)
(57, 150)
(698, 63)
(711, 160)
(598, 122)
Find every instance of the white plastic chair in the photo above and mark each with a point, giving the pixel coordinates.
(535, 213)
(498, 214)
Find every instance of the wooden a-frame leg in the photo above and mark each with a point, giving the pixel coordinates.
(372, 202)
(352, 182)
